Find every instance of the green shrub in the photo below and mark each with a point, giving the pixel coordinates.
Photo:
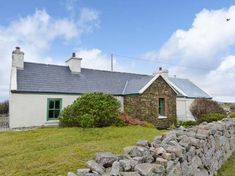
(188, 124)
(210, 117)
(202, 106)
(103, 108)
(232, 115)
(4, 107)
(87, 121)
(119, 123)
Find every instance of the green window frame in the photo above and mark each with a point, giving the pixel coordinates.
(54, 106)
(161, 106)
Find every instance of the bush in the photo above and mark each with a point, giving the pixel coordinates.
(210, 117)
(203, 106)
(232, 115)
(4, 107)
(102, 108)
(87, 121)
(188, 124)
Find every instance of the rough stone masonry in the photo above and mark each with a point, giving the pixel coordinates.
(197, 151)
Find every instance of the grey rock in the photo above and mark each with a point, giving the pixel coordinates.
(106, 159)
(125, 164)
(161, 161)
(71, 174)
(201, 172)
(115, 171)
(94, 166)
(175, 171)
(147, 169)
(143, 143)
(82, 172)
(130, 174)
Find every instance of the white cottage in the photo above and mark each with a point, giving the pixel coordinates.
(38, 92)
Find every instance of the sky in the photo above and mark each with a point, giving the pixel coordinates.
(191, 39)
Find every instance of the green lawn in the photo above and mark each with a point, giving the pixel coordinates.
(228, 168)
(55, 151)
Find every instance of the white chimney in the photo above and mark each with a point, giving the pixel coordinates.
(74, 64)
(163, 73)
(18, 58)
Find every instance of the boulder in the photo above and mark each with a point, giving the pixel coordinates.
(161, 161)
(94, 166)
(143, 143)
(71, 174)
(125, 164)
(130, 174)
(106, 159)
(82, 172)
(175, 171)
(115, 171)
(147, 169)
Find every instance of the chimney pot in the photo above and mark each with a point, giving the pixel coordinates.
(18, 58)
(160, 68)
(73, 54)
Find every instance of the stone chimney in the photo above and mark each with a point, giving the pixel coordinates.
(74, 64)
(18, 59)
(163, 73)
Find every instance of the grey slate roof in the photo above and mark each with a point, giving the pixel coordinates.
(189, 88)
(43, 78)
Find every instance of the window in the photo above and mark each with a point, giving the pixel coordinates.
(161, 107)
(54, 108)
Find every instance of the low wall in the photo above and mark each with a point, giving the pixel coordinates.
(198, 151)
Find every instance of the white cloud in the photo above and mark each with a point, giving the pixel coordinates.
(94, 58)
(36, 35)
(207, 45)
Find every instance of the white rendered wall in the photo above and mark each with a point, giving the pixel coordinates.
(183, 109)
(27, 110)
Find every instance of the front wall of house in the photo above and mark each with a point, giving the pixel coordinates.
(145, 106)
(27, 110)
(183, 109)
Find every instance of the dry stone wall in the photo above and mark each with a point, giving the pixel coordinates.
(198, 151)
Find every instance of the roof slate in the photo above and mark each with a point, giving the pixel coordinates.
(43, 78)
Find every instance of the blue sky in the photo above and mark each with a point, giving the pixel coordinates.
(159, 32)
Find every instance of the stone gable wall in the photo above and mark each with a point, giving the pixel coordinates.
(145, 106)
(197, 151)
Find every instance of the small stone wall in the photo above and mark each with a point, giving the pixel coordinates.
(198, 151)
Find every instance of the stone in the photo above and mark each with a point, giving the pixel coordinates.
(94, 166)
(130, 174)
(195, 142)
(185, 142)
(159, 151)
(106, 159)
(177, 150)
(168, 137)
(82, 172)
(125, 164)
(161, 161)
(115, 171)
(156, 142)
(147, 169)
(143, 143)
(202, 133)
(201, 172)
(71, 174)
(168, 156)
(93, 174)
(175, 171)
(127, 150)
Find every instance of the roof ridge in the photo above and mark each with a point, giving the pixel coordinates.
(88, 69)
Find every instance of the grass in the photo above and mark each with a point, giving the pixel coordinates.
(228, 168)
(55, 151)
